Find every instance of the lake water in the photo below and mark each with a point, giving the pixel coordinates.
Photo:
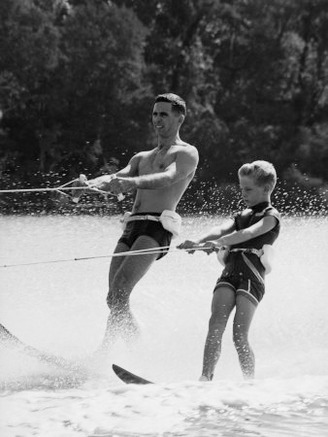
(60, 308)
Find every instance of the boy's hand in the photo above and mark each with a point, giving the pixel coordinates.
(210, 247)
(187, 245)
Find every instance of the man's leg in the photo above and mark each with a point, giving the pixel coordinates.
(223, 302)
(112, 328)
(113, 269)
(124, 274)
(245, 310)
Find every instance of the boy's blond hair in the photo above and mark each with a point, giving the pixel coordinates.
(263, 173)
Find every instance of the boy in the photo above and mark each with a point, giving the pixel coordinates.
(241, 284)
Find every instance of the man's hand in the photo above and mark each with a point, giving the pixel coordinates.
(120, 185)
(80, 182)
(102, 183)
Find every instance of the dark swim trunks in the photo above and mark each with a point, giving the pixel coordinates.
(243, 281)
(150, 228)
(253, 290)
(237, 273)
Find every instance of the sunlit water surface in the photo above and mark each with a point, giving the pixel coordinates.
(60, 308)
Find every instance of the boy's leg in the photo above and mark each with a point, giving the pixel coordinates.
(223, 302)
(245, 310)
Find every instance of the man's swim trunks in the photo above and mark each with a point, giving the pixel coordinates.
(150, 228)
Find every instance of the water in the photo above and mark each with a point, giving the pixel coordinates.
(60, 308)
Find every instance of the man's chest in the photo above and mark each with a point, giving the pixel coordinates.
(155, 162)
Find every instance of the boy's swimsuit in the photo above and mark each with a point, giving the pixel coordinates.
(237, 274)
(150, 228)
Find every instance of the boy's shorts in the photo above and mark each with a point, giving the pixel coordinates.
(152, 229)
(243, 285)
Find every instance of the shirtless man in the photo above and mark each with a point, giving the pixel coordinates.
(160, 177)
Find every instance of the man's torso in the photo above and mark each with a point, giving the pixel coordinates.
(157, 200)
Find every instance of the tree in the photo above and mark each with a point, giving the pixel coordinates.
(102, 73)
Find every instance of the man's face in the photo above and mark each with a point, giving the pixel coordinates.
(165, 121)
(251, 192)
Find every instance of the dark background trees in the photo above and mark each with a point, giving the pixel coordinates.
(78, 77)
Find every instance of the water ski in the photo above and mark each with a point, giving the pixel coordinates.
(60, 362)
(128, 377)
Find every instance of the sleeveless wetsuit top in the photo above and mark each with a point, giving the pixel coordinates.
(245, 219)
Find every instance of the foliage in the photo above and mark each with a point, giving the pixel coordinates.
(78, 77)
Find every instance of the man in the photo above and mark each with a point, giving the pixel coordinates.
(160, 177)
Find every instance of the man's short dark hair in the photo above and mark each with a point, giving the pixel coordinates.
(178, 104)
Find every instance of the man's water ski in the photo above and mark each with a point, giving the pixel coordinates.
(45, 357)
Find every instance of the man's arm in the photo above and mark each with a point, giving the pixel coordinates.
(104, 182)
(185, 164)
(131, 169)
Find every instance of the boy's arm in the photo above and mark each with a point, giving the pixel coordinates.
(213, 234)
(217, 232)
(262, 227)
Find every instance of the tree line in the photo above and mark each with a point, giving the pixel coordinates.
(78, 79)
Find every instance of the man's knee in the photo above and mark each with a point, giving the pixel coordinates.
(110, 300)
(119, 292)
(115, 301)
(122, 283)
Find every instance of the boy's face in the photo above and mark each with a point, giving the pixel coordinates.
(251, 192)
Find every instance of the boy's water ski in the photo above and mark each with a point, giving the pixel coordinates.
(128, 377)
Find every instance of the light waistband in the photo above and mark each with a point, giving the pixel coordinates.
(257, 252)
(153, 218)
